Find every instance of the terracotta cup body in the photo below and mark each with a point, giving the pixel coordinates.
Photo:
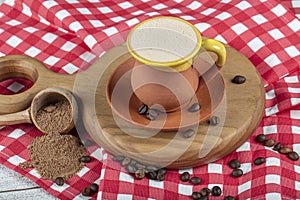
(167, 89)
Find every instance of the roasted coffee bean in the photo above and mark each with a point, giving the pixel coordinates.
(237, 173)
(59, 181)
(152, 175)
(285, 150)
(196, 195)
(140, 166)
(195, 107)
(195, 180)
(162, 171)
(160, 177)
(214, 120)
(118, 158)
(152, 168)
(293, 156)
(126, 161)
(150, 117)
(86, 192)
(152, 114)
(216, 191)
(269, 142)
(143, 109)
(277, 147)
(94, 187)
(234, 164)
(185, 176)
(260, 138)
(205, 192)
(130, 169)
(188, 133)
(140, 174)
(229, 198)
(238, 79)
(133, 162)
(259, 161)
(85, 159)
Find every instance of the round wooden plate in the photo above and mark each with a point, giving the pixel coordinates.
(240, 112)
(125, 103)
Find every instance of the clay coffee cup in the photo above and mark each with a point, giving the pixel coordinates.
(164, 49)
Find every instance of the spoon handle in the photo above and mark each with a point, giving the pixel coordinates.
(15, 118)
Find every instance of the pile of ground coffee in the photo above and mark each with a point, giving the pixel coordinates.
(56, 155)
(54, 118)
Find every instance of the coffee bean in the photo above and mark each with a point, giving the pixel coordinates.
(152, 175)
(214, 120)
(140, 174)
(237, 173)
(85, 159)
(269, 142)
(150, 117)
(160, 177)
(195, 107)
(216, 191)
(152, 114)
(133, 162)
(126, 161)
(185, 176)
(59, 181)
(260, 138)
(140, 166)
(152, 168)
(130, 169)
(195, 180)
(238, 79)
(205, 192)
(118, 158)
(277, 147)
(293, 156)
(285, 150)
(234, 164)
(188, 133)
(94, 188)
(196, 195)
(259, 161)
(229, 198)
(162, 171)
(143, 109)
(86, 192)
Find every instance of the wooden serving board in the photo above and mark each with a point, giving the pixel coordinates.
(240, 113)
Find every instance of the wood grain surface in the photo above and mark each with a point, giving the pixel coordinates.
(240, 113)
(16, 186)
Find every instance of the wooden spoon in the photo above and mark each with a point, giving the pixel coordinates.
(44, 97)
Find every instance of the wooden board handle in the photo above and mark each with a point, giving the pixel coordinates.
(15, 118)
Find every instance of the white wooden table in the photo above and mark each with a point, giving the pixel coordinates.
(15, 186)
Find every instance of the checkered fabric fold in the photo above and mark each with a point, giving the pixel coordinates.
(68, 36)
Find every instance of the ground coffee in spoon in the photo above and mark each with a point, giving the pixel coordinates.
(54, 118)
(55, 155)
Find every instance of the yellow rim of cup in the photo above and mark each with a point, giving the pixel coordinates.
(177, 65)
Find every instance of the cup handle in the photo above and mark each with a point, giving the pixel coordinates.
(216, 47)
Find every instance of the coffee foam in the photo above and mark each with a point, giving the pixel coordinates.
(163, 40)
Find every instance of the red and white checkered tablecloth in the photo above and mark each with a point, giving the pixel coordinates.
(67, 36)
